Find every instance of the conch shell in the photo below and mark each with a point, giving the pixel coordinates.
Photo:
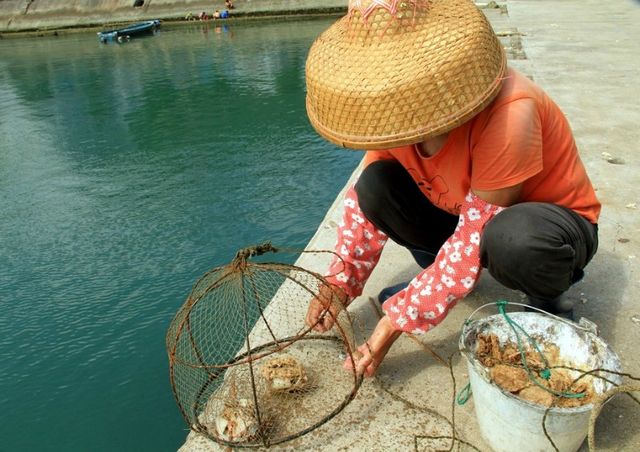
(284, 374)
(237, 421)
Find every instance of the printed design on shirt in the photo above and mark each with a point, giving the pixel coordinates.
(436, 190)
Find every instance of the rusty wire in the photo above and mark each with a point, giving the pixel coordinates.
(244, 368)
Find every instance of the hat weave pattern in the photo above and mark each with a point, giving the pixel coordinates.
(395, 72)
(394, 7)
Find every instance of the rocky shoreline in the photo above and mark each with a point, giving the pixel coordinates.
(53, 17)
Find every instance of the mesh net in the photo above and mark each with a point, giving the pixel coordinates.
(244, 368)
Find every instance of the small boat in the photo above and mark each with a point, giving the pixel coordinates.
(126, 33)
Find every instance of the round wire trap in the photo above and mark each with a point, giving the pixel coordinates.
(244, 368)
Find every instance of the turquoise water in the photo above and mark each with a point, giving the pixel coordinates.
(126, 172)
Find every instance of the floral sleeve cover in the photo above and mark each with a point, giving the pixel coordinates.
(358, 248)
(432, 293)
(428, 298)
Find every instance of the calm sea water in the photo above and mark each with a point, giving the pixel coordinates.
(127, 171)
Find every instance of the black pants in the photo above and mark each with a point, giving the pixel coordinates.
(538, 248)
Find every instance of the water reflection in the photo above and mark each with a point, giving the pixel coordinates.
(126, 171)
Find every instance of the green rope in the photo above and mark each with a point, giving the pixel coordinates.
(544, 373)
(464, 395)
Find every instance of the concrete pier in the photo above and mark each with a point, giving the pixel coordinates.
(586, 55)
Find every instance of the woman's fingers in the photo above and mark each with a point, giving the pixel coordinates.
(327, 321)
(313, 315)
(370, 354)
(365, 363)
(319, 317)
(324, 307)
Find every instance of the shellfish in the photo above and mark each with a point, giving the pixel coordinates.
(237, 421)
(284, 374)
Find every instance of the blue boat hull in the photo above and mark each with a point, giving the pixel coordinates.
(126, 33)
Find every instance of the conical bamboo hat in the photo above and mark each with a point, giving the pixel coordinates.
(395, 72)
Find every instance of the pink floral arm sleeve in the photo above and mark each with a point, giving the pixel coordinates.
(359, 247)
(429, 297)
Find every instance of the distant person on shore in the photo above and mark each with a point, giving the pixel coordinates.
(469, 165)
(216, 14)
(203, 16)
(228, 4)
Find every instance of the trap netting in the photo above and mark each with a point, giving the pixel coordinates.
(244, 368)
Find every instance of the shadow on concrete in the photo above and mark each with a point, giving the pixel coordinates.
(599, 294)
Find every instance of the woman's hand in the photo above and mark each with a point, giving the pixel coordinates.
(370, 354)
(324, 308)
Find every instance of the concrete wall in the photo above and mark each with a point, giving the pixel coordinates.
(22, 15)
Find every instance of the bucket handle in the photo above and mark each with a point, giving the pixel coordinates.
(583, 324)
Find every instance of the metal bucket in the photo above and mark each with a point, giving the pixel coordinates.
(509, 423)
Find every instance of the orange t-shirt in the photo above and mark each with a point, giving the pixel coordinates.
(522, 137)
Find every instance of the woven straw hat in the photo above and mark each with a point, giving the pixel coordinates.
(395, 72)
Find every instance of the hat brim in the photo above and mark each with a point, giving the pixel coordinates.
(369, 91)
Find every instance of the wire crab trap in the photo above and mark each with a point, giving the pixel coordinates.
(244, 368)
